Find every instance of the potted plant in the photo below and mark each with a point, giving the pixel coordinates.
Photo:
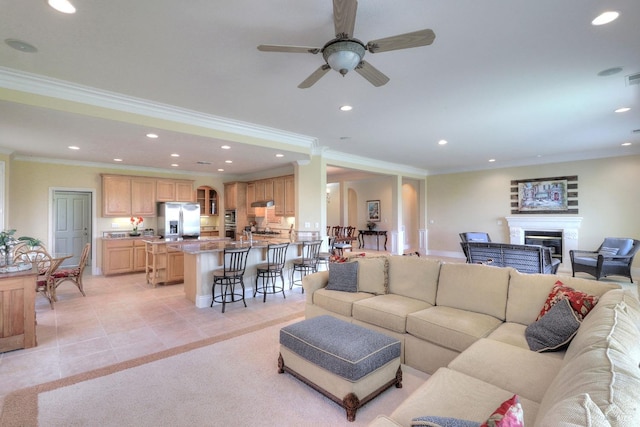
(371, 225)
(136, 221)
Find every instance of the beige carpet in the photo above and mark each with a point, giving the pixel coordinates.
(230, 380)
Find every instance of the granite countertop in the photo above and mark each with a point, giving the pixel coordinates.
(199, 247)
(179, 241)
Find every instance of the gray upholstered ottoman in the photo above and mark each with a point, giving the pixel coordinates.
(347, 363)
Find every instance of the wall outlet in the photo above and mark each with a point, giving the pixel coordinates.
(317, 225)
(307, 225)
(499, 222)
(115, 225)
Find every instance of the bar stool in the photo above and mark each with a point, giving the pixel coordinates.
(269, 271)
(232, 274)
(307, 263)
(325, 257)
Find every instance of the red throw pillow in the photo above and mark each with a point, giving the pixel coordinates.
(508, 414)
(580, 302)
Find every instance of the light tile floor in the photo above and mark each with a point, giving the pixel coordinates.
(121, 318)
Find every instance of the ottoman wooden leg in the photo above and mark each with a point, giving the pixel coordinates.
(399, 377)
(280, 364)
(351, 403)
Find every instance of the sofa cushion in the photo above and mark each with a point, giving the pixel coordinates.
(448, 393)
(581, 302)
(473, 287)
(608, 251)
(414, 277)
(528, 292)
(373, 275)
(602, 360)
(555, 329)
(343, 277)
(450, 327)
(387, 311)
(519, 370)
(337, 301)
(577, 411)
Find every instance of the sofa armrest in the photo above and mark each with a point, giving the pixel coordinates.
(313, 282)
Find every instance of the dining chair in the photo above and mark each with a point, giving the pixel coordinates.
(73, 274)
(45, 266)
(269, 271)
(230, 275)
(345, 240)
(307, 263)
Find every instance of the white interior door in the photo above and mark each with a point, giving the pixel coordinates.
(71, 224)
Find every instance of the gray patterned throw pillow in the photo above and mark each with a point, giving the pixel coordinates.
(343, 277)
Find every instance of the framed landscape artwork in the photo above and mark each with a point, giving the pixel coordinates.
(373, 210)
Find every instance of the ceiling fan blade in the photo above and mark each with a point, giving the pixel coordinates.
(288, 49)
(402, 41)
(314, 77)
(372, 74)
(344, 17)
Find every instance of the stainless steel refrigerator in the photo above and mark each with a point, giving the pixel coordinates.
(179, 219)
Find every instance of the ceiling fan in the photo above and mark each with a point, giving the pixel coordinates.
(344, 53)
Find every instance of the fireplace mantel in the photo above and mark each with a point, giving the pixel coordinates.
(569, 226)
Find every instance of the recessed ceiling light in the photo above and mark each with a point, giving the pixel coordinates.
(220, 170)
(346, 108)
(279, 155)
(175, 165)
(443, 142)
(63, 6)
(152, 135)
(21, 46)
(605, 18)
(117, 160)
(228, 161)
(626, 144)
(622, 110)
(175, 155)
(73, 147)
(492, 160)
(225, 147)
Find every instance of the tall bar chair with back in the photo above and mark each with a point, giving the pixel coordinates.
(230, 275)
(271, 270)
(307, 263)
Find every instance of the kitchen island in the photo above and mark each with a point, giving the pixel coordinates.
(202, 257)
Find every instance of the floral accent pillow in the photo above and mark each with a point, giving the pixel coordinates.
(508, 414)
(580, 302)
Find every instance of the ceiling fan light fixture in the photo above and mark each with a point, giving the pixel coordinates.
(343, 56)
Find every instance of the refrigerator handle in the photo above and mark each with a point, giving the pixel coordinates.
(180, 224)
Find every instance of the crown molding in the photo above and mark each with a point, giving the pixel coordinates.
(373, 165)
(23, 81)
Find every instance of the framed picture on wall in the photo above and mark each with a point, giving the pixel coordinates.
(373, 210)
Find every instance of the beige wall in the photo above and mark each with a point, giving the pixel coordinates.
(608, 197)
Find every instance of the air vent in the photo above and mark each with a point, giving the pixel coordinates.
(203, 163)
(635, 131)
(633, 79)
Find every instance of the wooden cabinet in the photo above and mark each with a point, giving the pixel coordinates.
(268, 189)
(289, 196)
(251, 197)
(123, 256)
(116, 195)
(175, 266)
(230, 195)
(284, 195)
(214, 233)
(117, 256)
(17, 310)
(137, 195)
(207, 197)
(143, 197)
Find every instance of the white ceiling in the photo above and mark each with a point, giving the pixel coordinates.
(515, 81)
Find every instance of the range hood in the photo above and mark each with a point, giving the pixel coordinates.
(262, 204)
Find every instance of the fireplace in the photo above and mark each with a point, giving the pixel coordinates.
(550, 239)
(564, 228)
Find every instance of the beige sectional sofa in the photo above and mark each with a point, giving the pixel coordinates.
(465, 324)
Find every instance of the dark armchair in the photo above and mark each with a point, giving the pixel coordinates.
(613, 258)
(472, 236)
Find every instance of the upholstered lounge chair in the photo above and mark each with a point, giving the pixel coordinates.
(613, 258)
